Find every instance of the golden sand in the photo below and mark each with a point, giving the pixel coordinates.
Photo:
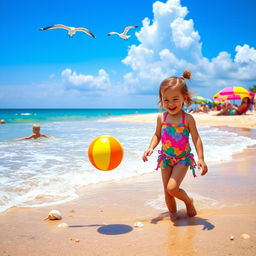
(244, 121)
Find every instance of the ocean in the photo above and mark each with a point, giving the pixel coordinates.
(35, 173)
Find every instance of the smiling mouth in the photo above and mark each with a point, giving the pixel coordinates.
(172, 109)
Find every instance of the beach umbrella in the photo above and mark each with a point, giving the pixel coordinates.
(199, 99)
(231, 97)
(209, 100)
(219, 102)
(233, 93)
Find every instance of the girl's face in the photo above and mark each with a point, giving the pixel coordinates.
(172, 100)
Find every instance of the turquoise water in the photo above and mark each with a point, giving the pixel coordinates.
(44, 115)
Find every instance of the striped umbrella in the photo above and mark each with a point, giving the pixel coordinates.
(230, 97)
(208, 100)
(232, 93)
(199, 99)
(220, 102)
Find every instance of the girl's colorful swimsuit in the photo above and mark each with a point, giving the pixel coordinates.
(175, 145)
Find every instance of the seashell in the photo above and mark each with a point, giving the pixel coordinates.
(138, 224)
(232, 237)
(54, 215)
(245, 236)
(63, 225)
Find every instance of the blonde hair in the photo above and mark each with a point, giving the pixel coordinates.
(36, 126)
(179, 82)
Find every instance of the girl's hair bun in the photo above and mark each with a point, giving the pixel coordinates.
(187, 74)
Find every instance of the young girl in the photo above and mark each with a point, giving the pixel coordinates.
(173, 128)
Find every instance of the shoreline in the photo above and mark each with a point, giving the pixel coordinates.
(101, 221)
(243, 121)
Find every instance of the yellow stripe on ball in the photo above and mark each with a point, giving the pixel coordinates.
(101, 153)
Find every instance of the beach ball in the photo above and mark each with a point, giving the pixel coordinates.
(105, 153)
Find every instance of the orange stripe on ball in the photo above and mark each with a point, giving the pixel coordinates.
(116, 153)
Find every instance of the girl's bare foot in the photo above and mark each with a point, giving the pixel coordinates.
(191, 210)
(173, 216)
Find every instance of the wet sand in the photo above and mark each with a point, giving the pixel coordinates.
(101, 221)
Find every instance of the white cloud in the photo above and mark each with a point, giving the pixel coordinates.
(82, 82)
(169, 44)
(183, 33)
(245, 54)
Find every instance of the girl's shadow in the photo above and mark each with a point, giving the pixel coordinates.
(183, 220)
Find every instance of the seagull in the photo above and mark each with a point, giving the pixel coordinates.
(122, 35)
(71, 30)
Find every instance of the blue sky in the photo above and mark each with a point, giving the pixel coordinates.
(47, 69)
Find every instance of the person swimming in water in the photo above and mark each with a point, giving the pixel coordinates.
(36, 133)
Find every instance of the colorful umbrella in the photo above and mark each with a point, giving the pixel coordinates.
(220, 101)
(209, 100)
(230, 97)
(199, 99)
(233, 93)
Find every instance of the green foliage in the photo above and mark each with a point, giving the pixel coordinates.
(253, 89)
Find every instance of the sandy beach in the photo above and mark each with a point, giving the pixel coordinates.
(243, 121)
(101, 221)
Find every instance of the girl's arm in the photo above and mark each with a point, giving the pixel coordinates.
(197, 143)
(155, 139)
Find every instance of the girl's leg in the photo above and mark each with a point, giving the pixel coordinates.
(169, 199)
(173, 188)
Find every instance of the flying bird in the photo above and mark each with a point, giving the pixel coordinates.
(71, 30)
(124, 34)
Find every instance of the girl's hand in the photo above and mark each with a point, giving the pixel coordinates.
(147, 153)
(202, 165)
